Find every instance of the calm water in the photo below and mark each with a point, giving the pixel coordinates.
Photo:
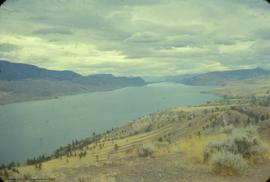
(32, 128)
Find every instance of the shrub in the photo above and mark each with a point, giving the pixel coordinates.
(227, 163)
(27, 176)
(129, 150)
(145, 152)
(228, 129)
(116, 147)
(243, 141)
(83, 179)
(231, 154)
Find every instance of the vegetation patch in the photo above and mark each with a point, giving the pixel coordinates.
(227, 163)
(240, 148)
(230, 153)
(193, 146)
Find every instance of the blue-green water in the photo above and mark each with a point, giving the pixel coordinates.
(30, 129)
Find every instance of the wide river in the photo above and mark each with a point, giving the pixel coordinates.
(33, 128)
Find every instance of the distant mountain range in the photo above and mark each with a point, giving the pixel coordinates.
(216, 78)
(22, 82)
(224, 77)
(15, 71)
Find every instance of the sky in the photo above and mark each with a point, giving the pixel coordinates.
(136, 37)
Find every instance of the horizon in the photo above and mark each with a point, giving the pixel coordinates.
(143, 77)
(138, 38)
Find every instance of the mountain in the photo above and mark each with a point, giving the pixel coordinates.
(179, 78)
(18, 71)
(109, 79)
(174, 78)
(223, 77)
(23, 82)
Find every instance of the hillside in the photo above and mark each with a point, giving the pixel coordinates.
(224, 77)
(216, 78)
(22, 82)
(179, 143)
(17, 71)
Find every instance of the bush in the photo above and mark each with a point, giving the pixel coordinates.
(242, 145)
(145, 152)
(243, 141)
(129, 150)
(83, 179)
(248, 142)
(116, 147)
(227, 163)
(228, 129)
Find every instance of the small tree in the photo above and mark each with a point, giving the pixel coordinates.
(39, 166)
(116, 147)
(262, 117)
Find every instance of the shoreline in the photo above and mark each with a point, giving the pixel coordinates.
(135, 118)
(23, 100)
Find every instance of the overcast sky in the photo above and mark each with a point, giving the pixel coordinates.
(136, 37)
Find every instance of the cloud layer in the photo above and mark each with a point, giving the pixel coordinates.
(136, 37)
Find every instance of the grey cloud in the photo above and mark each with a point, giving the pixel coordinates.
(133, 29)
(143, 37)
(37, 18)
(6, 47)
(262, 33)
(132, 2)
(261, 48)
(46, 31)
(225, 41)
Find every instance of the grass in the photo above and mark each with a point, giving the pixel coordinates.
(193, 146)
(226, 154)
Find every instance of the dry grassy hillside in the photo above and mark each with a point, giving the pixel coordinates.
(220, 141)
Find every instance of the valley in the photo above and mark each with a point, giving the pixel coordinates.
(135, 91)
(171, 145)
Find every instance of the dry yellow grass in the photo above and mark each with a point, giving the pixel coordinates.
(266, 145)
(193, 146)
